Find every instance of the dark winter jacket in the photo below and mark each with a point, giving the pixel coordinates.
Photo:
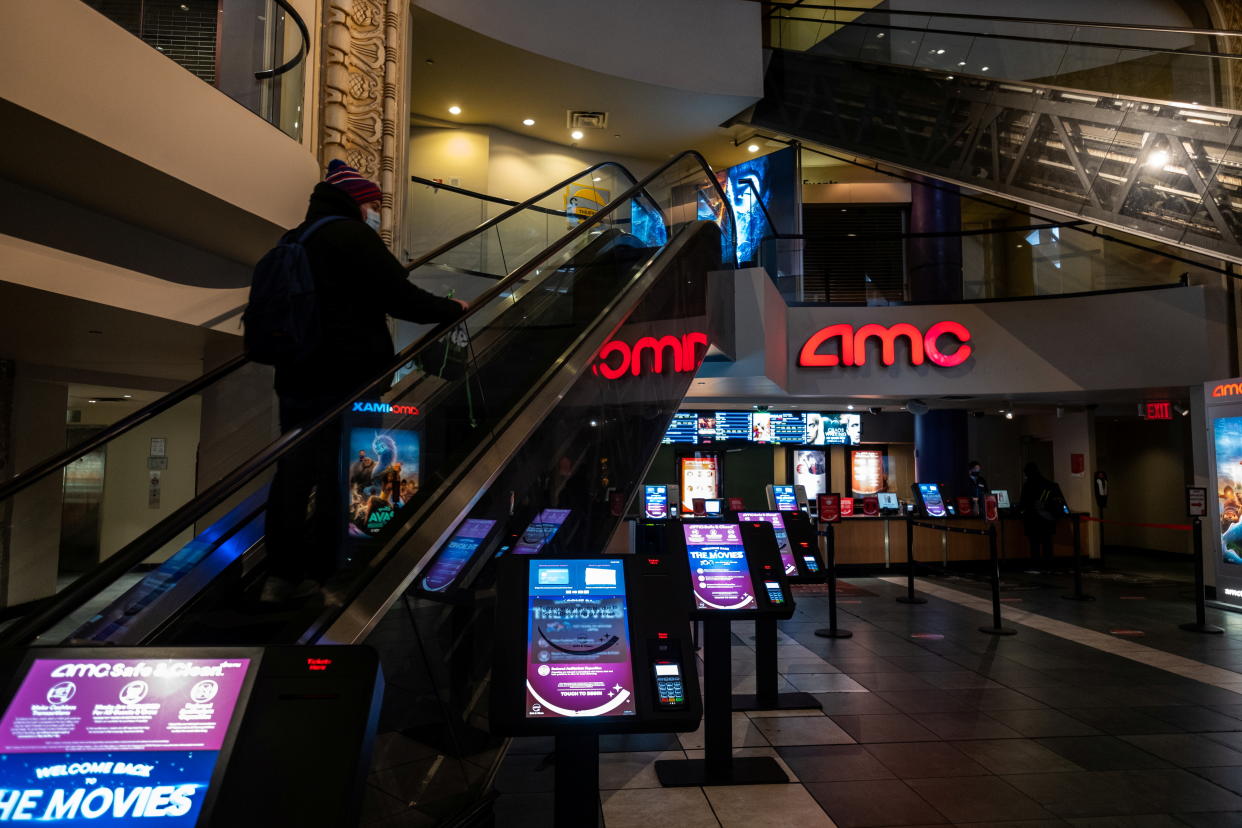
(358, 282)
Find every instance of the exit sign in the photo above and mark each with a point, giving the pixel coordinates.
(1158, 411)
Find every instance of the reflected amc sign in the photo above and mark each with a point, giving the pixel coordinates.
(649, 355)
(851, 345)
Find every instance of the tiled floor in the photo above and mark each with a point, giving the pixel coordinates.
(1062, 724)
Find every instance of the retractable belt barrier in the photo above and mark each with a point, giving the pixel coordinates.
(990, 533)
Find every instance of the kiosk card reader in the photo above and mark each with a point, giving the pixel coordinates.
(731, 571)
(187, 736)
(587, 646)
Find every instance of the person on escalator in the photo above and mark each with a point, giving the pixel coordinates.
(358, 283)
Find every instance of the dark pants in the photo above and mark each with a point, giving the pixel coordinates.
(303, 534)
(1041, 545)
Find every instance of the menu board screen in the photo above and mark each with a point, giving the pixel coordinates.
(456, 554)
(786, 498)
(789, 427)
(116, 741)
(683, 429)
(655, 502)
(578, 640)
(782, 539)
(732, 425)
(540, 531)
(719, 573)
(867, 475)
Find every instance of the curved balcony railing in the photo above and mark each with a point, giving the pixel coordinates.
(254, 51)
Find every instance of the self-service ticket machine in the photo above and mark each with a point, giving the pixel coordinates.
(588, 646)
(800, 560)
(787, 498)
(729, 571)
(187, 736)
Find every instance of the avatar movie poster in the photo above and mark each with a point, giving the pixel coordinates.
(1228, 434)
(383, 476)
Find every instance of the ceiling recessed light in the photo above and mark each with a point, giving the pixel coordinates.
(753, 148)
(985, 68)
(92, 402)
(1157, 159)
(940, 51)
(528, 122)
(576, 135)
(128, 396)
(454, 110)
(849, 407)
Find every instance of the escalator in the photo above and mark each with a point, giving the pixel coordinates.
(501, 429)
(918, 99)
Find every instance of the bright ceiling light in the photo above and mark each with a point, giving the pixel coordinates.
(528, 122)
(597, 179)
(576, 135)
(850, 407)
(753, 148)
(1008, 415)
(454, 110)
(1157, 159)
(985, 68)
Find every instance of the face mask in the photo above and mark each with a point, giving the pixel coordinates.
(372, 219)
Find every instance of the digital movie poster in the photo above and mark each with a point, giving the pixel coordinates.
(383, 476)
(116, 741)
(867, 473)
(578, 640)
(762, 193)
(456, 555)
(699, 478)
(1227, 432)
(540, 531)
(811, 471)
(782, 539)
(719, 573)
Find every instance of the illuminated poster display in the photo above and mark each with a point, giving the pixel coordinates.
(700, 478)
(116, 741)
(867, 475)
(1223, 421)
(382, 476)
(756, 189)
(707, 428)
(456, 554)
(719, 573)
(655, 502)
(540, 531)
(578, 640)
(782, 539)
(1227, 439)
(811, 471)
(786, 498)
(929, 493)
(761, 427)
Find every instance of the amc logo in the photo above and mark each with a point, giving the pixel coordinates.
(852, 345)
(1227, 389)
(650, 355)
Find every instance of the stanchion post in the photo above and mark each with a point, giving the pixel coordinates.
(1078, 594)
(1200, 624)
(910, 597)
(830, 558)
(996, 628)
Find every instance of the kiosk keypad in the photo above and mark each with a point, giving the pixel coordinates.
(775, 594)
(670, 691)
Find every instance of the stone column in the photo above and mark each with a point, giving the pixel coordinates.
(365, 107)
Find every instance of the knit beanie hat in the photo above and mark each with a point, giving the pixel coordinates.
(345, 177)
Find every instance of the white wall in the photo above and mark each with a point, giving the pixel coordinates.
(125, 513)
(710, 46)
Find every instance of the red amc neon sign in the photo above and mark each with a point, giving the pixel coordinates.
(852, 345)
(1227, 389)
(616, 358)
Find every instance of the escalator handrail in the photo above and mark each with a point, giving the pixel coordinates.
(303, 45)
(87, 585)
(1055, 41)
(57, 461)
(776, 9)
(28, 477)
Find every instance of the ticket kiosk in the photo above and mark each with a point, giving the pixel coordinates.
(730, 572)
(187, 736)
(786, 498)
(588, 646)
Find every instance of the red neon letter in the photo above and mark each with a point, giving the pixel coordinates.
(810, 357)
(657, 348)
(888, 336)
(940, 357)
(607, 370)
(690, 358)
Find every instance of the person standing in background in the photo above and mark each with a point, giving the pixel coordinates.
(976, 484)
(1042, 504)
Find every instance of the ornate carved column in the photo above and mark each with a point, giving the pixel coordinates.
(364, 106)
(1227, 14)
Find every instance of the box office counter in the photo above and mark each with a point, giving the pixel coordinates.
(882, 540)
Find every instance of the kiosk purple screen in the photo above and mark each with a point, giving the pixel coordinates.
(116, 741)
(718, 569)
(782, 539)
(457, 553)
(540, 531)
(578, 640)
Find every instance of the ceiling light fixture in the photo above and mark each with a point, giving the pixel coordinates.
(576, 135)
(454, 110)
(1008, 415)
(753, 148)
(1157, 159)
(985, 68)
(528, 122)
(849, 407)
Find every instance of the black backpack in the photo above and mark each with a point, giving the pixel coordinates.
(282, 318)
